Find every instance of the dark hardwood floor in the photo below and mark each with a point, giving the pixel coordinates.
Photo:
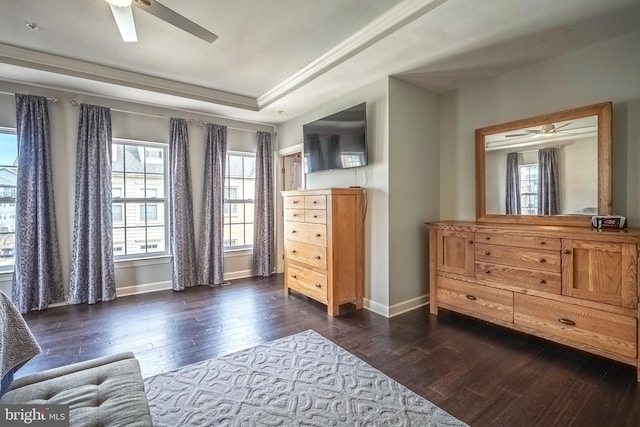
(482, 374)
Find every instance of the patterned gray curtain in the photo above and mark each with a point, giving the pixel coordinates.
(37, 276)
(211, 246)
(92, 271)
(548, 185)
(512, 199)
(181, 231)
(263, 235)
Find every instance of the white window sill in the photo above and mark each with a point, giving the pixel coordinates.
(232, 253)
(142, 262)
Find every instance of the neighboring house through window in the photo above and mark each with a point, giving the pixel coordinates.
(8, 182)
(139, 208)
(239, 194)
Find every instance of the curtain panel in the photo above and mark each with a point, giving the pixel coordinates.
(512, 198)
(211, 245)
(548, 184)
(263, 234)
(182, 241)
(92, 269)
(37, 276)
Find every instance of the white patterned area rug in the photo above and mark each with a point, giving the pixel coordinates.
(300, 380)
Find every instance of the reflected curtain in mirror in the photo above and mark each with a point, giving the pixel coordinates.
(512, 199)
(548, 186)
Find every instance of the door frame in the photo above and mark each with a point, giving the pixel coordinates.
(281, 153)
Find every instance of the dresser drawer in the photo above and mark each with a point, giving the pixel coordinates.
(294, 202)
(496, 303)
(309, 282)
(317, 216)
(535, 242)
(305, 253)
(315, 202)
(538, 259)
(294, 214)
(610, 332)
(514, 276)
(316, 234)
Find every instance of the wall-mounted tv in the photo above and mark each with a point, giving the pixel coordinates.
(338, 141)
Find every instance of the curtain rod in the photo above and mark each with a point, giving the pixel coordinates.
(53, 99)
(200, 123)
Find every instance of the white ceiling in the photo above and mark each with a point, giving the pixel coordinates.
(276, 60)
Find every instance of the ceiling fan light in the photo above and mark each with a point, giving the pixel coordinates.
(120, 3)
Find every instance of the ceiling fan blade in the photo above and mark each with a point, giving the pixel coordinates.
(124, 20)
(526, 132)
(160, 11)
(561, 126)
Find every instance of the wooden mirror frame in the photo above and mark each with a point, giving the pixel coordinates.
(603, 111)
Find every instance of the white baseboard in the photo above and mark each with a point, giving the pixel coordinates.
(395, 309)
(408, 305)
(376, 307)
(143, 288)
(238, 275)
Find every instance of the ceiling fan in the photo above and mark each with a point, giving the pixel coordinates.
(545, 130)
(123, 14)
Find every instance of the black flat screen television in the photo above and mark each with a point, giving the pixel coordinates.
(338, 141)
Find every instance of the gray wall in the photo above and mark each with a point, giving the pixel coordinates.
(608, 71)
(134, 121)
(401, 184)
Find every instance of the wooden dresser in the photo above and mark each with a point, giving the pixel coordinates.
(324, 245)
(571, 285)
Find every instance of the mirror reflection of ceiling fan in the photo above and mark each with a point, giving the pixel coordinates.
(123, 14)
(545, 130)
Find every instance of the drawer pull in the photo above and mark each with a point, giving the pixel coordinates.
(542, 281)
(315, 216)
(487, 238)
(295, 202)
(293, 275)
(295, 214)
(318, 285)
(317, 234)
(542, 260)
(315, 202)
(471, 297)
(293, 231)
(471, 242)
(317, 257)
(566, 252)
(487, 253)
(293, 251)
(567, 321)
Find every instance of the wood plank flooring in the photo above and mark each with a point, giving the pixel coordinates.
(482, 374)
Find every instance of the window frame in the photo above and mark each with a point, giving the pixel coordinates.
(228, 202)
(10, 200)
(143, 201)
(529, 195)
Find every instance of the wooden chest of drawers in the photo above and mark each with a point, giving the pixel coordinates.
(575, 286)
(324, 245)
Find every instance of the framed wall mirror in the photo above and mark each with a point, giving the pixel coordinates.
(553, 169)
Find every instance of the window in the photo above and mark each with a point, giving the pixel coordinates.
(139, 199)
(148, 212)
(238, 200)
(529, 189)
(116, 211)
(8, 182)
